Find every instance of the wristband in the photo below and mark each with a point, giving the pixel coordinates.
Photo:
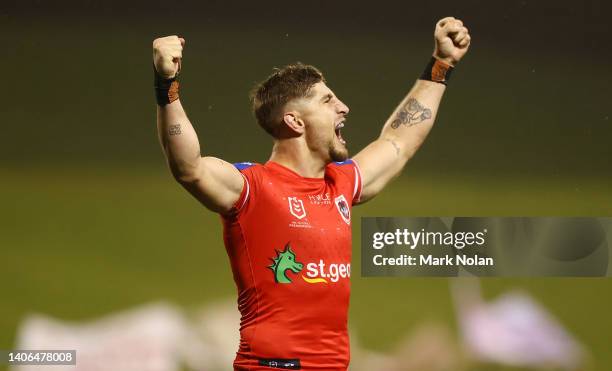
(437, 71)
(166, 90)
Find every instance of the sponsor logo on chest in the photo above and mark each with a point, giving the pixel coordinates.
(298, 210)
(285, 265)
(320, 199)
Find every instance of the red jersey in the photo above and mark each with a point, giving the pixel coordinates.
(289, 244)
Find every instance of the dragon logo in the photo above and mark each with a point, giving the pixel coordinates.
(343, 209)
(284, 261)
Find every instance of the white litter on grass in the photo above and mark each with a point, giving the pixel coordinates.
(153, 337)
(156, 337)
(513, 330)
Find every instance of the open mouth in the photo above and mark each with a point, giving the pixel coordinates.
(339, 126)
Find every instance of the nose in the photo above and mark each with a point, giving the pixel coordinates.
(342, 108)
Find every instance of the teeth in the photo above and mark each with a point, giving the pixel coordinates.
(338, 127)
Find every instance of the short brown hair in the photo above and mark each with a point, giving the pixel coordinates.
(287, 83)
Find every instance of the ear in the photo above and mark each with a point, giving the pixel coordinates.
(293, 121)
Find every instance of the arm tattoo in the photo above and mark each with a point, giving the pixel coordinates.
(411, 113)
(397, 148)
(174, 129)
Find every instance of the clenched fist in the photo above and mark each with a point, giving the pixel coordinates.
(452, 40)
(167, 54)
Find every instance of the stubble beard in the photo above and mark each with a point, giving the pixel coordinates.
(338, 152)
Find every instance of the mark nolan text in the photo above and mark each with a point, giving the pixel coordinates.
(430, 260)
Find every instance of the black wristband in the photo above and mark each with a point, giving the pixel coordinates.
(166, 90)
(437, 71)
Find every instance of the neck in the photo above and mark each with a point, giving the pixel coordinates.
(294, 154)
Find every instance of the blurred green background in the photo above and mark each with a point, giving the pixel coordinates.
(92, 221)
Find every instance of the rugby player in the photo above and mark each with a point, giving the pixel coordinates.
(287, 226)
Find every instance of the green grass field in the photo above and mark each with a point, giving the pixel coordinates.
(80, 244)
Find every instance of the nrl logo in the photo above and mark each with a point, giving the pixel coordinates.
(284, 261)
(296, 207)
(343, 208)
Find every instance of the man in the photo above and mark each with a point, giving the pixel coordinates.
(287, 222)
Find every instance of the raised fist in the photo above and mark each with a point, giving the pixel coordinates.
(167, 54)
(452, 40)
